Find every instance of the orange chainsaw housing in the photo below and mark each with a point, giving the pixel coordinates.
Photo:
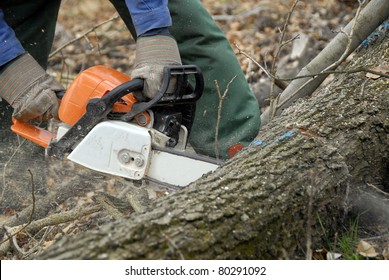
(94, 82)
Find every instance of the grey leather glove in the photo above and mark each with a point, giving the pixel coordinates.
(153, 53)
(26, 86)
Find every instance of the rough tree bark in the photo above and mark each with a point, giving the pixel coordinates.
(266, 203)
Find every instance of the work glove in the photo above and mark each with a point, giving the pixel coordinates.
(26, 86)
(153, 53)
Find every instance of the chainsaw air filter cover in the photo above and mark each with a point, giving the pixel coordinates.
(92, 83)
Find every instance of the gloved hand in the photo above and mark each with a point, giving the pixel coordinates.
(152, 54)
(26, 86)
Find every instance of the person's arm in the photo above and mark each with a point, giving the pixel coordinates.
(150, 17)
(10, 47)
(24, 84)
(155, 47)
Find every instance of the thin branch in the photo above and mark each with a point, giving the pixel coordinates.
(309, 253)
(279, 48)
(5, 168)
(83, 35)
(62, 217)
(218, 119)
(40, 242)
(349, 38)
(31, 213)
(16, 246)
(219, 112)
(349, 71)
(171, 242)
(378, 190)
(290, 40)
(54, 219)
(33, 198)
(282, 85)
(11, 232)
(283, 33)
(115, 213)
(329, 68)
(252, 12)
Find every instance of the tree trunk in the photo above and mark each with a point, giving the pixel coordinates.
(276, 199)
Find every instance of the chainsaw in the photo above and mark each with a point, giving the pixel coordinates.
(104, 127)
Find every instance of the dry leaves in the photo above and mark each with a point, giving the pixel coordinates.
(365, 249)
(384, 69)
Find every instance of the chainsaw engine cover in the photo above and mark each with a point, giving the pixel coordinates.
(94, 82)
(116, 148)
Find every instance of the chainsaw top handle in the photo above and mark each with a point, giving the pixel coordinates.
(184, 92)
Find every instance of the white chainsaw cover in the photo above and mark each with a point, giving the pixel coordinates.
(116, 148)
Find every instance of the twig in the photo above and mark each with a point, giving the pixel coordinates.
(378, 190)
(243, 15)
(115, 213)
(92, 29)
(171, 242)
(11, 237)
(51, 220)
(37, 246)
(33, 197)
(279, 48)
(63, 217)
(349, 71)
(309, 252)
(219, 112)
(138, 202)
(377, 237)
(5, 168)
(279, 82)
(10, 232)
(329, 68)
(349, 38)
(32, 210)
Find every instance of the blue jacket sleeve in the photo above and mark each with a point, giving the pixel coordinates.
(149, 14)
(10, 47)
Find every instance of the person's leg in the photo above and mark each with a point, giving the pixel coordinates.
(202, 43)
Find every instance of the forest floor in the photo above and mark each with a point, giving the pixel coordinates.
(89, 33)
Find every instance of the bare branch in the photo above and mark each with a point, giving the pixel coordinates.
(84, 35)
(219, 112)
(243, 15)
(281, 44)
(278, 81)
(373, 14)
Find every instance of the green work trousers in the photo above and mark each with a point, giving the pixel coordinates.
(200, 41)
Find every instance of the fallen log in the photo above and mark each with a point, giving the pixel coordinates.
(274, 199)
